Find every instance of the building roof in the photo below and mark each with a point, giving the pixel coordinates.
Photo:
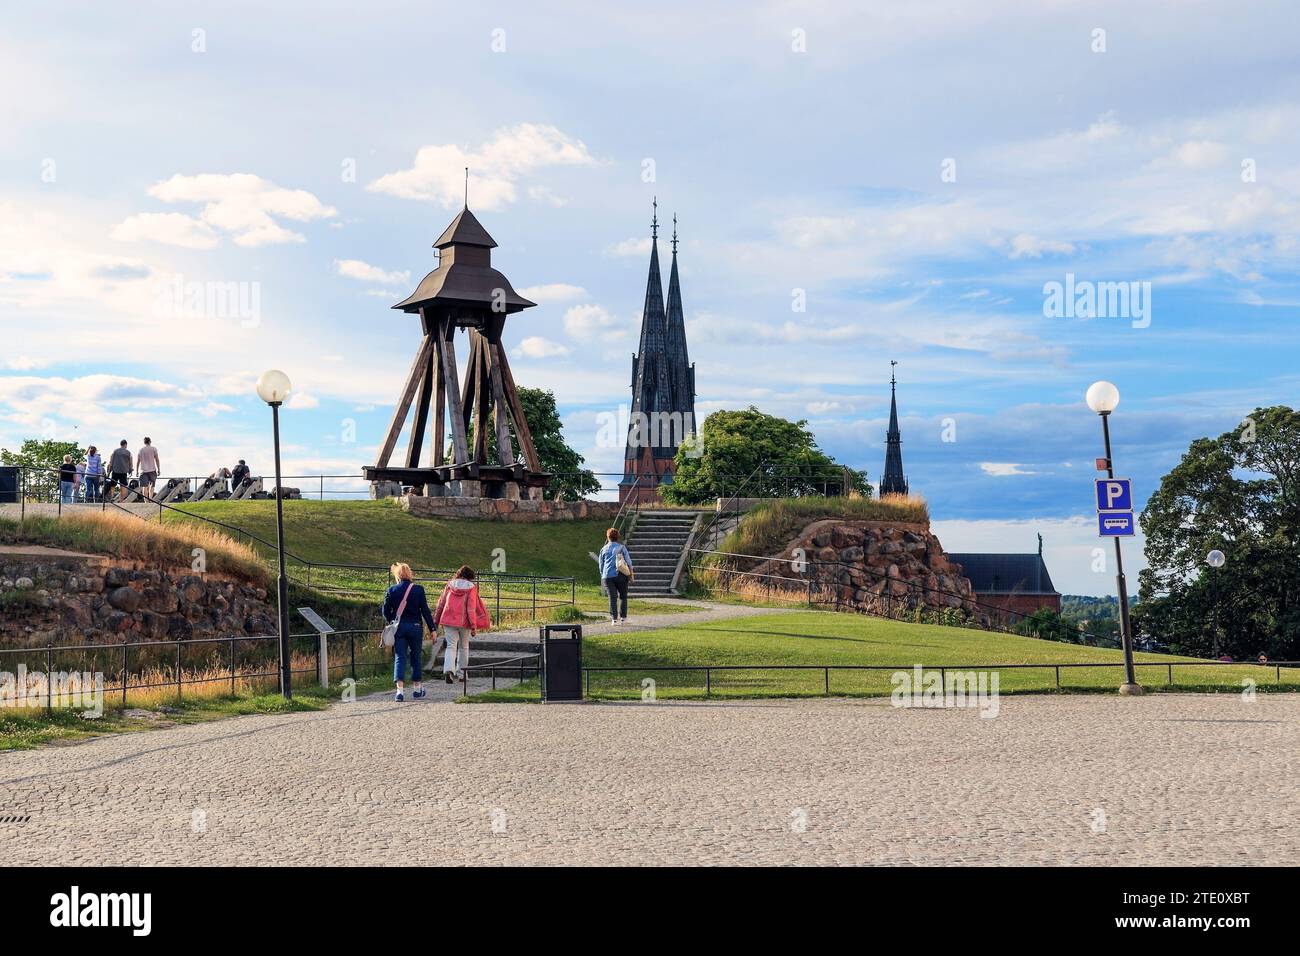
(464, 276)
(465, 230)
(1005, 573)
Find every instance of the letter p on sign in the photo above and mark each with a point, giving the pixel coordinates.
(1114, 494)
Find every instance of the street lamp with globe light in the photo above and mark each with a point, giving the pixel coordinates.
(273, 388)
(1215, 559)
(1103, 398)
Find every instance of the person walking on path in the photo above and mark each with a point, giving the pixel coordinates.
(406, 604)
(94, 474)
(462, 614)
(67, 480)
(616, 573)
(146, 466)
(119, 470)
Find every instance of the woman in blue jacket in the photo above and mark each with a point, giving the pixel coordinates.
(410, 633)
(615, 581)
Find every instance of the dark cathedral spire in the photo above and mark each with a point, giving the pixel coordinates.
(893, 482)
(663, 383)
(679, 361)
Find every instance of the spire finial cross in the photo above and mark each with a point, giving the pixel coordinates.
(654, 222)
(892, 363)
(466, 187)
(674, 233)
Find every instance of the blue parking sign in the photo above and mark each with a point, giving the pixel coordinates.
(1115, 524)
(1114, 494)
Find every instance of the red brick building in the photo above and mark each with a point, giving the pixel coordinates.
(1015, 583)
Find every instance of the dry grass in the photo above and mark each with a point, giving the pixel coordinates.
(165, 546)
(771, 525)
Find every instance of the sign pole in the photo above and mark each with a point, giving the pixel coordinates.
(1130, 685)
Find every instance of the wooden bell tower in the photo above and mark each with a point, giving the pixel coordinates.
(464, 292)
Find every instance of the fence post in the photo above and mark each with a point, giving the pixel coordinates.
(943, 683)
(49, 678)
(1058, 676)
(232, 667)
(178, 670)
(126, 646)
(323, 661)
(1171, 675)
(828, 681)
(352, 642)
(534, 597)
(498, 598)
(708, 682)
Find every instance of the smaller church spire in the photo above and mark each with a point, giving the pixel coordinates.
(893, 482)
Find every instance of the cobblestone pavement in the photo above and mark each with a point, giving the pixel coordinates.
(1163, 779)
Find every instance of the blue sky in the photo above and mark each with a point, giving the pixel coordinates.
(311, 153)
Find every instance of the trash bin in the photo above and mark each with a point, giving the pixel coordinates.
(561, 662)
(9, 485)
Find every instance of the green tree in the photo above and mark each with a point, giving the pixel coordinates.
(758, 456)
(43, 456)
(571, 482)
(1238, 493)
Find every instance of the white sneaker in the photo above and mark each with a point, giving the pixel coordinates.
(613, 620)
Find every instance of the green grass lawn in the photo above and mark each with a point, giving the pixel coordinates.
(823, 637)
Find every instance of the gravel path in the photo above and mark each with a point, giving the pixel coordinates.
(1163, 779)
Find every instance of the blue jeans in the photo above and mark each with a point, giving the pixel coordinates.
(93, 491)
(409, 645)
(65, 492)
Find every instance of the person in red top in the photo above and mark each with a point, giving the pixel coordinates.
(462, 614)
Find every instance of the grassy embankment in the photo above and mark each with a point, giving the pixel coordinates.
(376, 533)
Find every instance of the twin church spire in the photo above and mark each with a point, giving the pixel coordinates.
(663, 382)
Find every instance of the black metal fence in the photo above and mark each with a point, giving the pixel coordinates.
(135, 666)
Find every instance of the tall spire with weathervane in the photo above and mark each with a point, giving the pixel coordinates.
(893, 482)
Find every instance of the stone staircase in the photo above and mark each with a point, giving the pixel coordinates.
(656, 543)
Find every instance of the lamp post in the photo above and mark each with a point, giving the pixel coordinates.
(1102, 398)
(273, 388)
(1215, 560)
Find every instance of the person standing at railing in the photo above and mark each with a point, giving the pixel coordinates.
(67, 480)
(147, 467)
(119, 470)
(616, 573)
(79, 481)
(406, 604)
(462, 614)
(94, 474)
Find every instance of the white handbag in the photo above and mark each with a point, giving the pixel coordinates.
(389, 635)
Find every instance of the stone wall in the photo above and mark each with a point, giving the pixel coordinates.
(505, 509)
(874, 565)
(60, 596)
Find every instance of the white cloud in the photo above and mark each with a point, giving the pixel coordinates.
(169, 228)
(553, 292)
(539, 348)
(241, 205)
(584, 321)
(630, 247)
(1003, 469)
(302, 400)
(496, 167)
(365, 272)
(1026, 246)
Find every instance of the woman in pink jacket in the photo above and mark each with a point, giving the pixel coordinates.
(462, 614)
